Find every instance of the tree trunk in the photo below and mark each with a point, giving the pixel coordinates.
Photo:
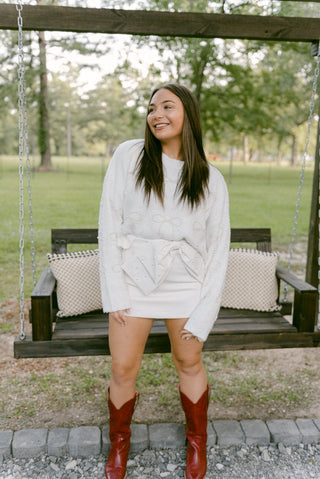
(200, 78)
(230, 165)
(279, 154)
(245, 151)
(293, 161)
(69, 134)
(44, 132)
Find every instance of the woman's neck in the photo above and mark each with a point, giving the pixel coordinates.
(173, 151)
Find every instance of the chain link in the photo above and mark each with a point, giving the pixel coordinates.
(29, 188)
(24, 150)
(305, 154)
(21, 155)
(25, 134)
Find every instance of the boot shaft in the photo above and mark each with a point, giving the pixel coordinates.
(120, 419)
(196, 413)
(196, 432)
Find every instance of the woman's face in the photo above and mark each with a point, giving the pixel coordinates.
(165, 116)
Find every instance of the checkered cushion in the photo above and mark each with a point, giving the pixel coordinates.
(78, 282)
(251, 281)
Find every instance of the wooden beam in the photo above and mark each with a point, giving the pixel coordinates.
(141, 22)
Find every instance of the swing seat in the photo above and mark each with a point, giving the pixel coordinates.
(87, 334)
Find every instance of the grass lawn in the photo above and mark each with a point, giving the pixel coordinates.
(70, 392)
(260, 196)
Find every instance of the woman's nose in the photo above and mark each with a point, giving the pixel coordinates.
(158, 113)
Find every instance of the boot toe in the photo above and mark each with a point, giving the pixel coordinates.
(115, 473)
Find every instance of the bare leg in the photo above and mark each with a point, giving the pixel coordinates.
(126, 347)
(187, 357)
(194, 396)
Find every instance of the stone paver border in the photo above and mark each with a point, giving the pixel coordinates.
(88, 441)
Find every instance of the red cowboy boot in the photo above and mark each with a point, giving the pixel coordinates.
(196, 432)
(120, 434)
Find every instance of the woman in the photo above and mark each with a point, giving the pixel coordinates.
(164, 242)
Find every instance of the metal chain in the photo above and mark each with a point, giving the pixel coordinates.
(24, 150)
(28, 163)
(19, 7)
(305, 154)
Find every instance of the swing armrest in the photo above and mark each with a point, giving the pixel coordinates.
(305, 300)
(42, 306)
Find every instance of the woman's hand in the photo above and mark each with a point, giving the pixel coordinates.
(186, 334)
(119, 316)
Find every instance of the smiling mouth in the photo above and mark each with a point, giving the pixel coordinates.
(161, 125)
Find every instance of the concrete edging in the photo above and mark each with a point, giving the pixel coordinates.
(88, 441)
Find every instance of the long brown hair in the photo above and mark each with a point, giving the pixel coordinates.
(194, 178)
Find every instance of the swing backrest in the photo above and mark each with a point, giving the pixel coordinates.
(61, 238)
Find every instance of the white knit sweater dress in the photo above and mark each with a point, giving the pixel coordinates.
(162, 261)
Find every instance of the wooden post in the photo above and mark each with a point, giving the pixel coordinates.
(313, 241)
(41, 307)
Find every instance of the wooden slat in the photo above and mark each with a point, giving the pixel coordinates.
(95, 327)
(297, 283)
(139, 22)
(75, 235)
(250, 235)
(60, 238)
(63, 348)
(160, 344)
(230, 322)
(241, 313)
(84, 333)
(261, 341)
(90, 235)
(246, 324)
(77, 334)
(253, 327)
(45, 284)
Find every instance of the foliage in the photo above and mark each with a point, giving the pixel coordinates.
(245, 88)
(254, 95)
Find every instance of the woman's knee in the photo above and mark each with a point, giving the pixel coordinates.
(189, 365)
(124, 370)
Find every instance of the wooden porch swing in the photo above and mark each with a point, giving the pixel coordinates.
(87, 334)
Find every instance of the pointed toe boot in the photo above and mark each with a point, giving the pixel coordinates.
(196, 432)
(120, 433)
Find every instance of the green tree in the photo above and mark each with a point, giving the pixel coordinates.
(38, 85)
(257, 90)
(107, 117)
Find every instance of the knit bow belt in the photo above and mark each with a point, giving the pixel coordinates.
(147, 261)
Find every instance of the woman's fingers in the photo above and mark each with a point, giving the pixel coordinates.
(186, 334)
(119, 316)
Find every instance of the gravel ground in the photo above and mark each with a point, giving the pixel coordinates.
(270, 462)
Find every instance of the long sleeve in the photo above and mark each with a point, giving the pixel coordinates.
(114, 291)
(205, 314)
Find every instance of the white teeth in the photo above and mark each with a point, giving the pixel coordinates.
(160, 124)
